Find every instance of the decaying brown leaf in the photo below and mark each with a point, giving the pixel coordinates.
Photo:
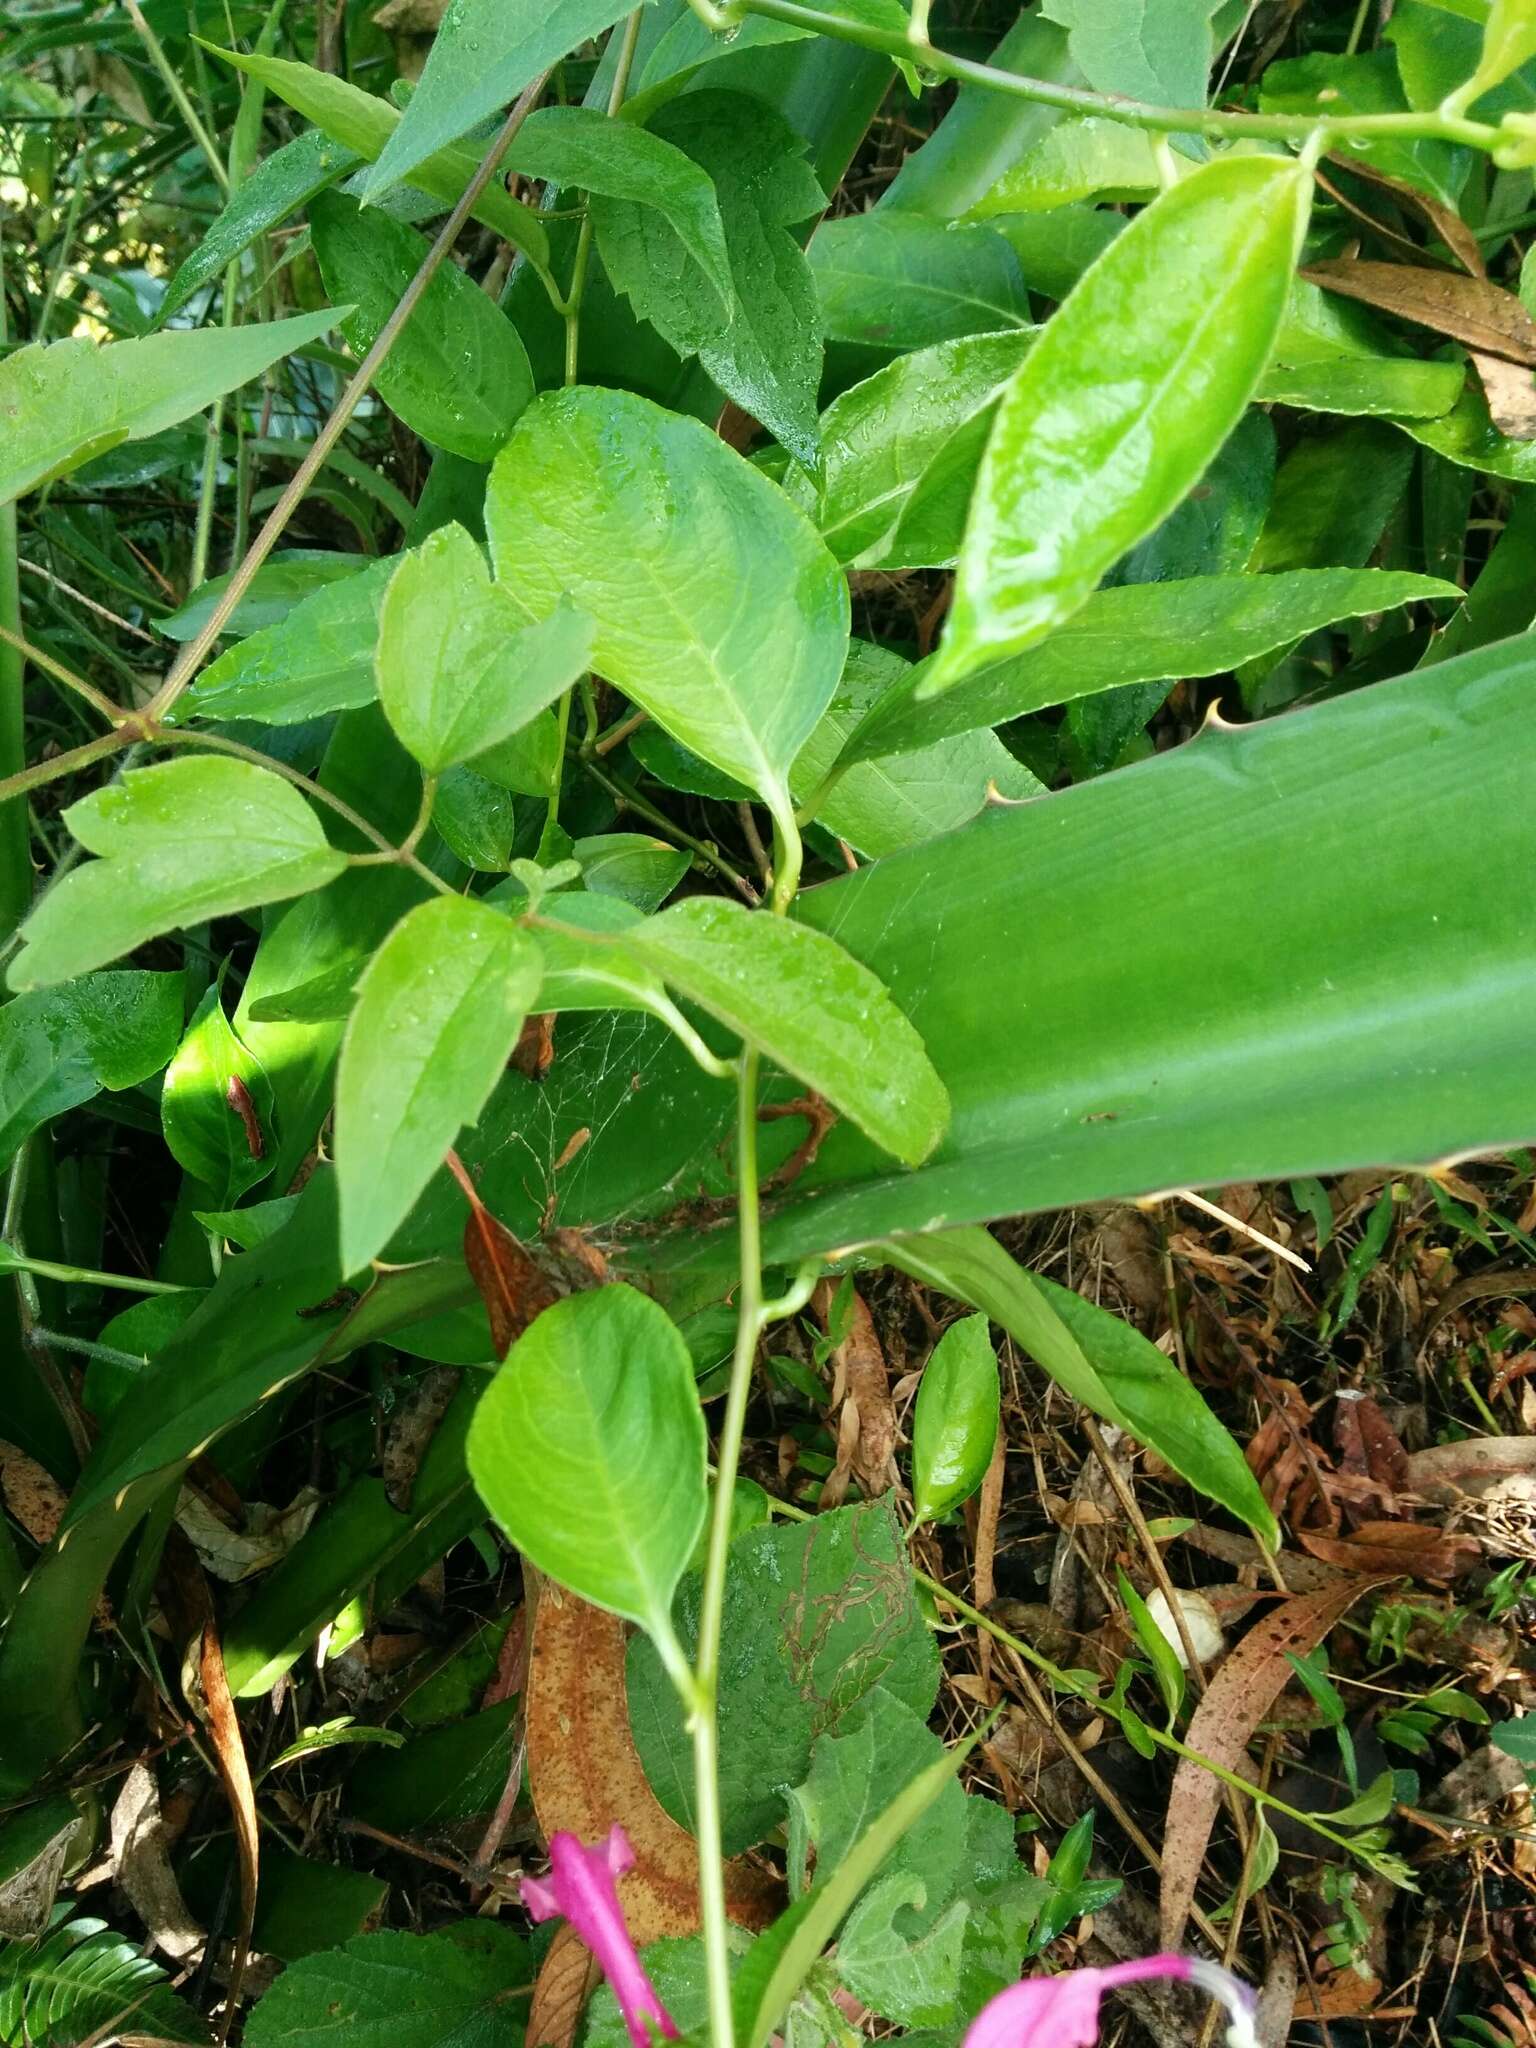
(585, 1774)
(229, 1752)
(1448, 225)
(567, 1979)
(1426, 1552)
(411, 1429)
(141, 1864)
(866, 1443)
(512, 1284)
(1236, 1701)
(1510, 391)
(1468, 309)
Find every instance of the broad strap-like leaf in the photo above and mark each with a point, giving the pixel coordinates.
(1142, 633)
(459, 667)
(62, 403)
(187, 840)
(810, 1007)
(435, 1019)
(589, 1448)
(458, 373)
(718, 607)
(1123, 401)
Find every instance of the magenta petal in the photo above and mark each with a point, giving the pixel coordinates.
(1042, 2012)
(538, 1897)
(581, 1882)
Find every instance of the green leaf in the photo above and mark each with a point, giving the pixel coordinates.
(816, 1615)
(1087, 158)
(1373, 1805)
(1332, 87)
(589, 1448)
(483, 55)
(63, 403)
(780, 1960)
(190, 839)
(287, 180)
(1139, 633)
(1509, 40)
(359, 121)
(58, 1048)
(895, 281)
(614, 160)
(1331, 355)
(639, 871)
(206, 1132)
(280, 585)
(690, 561)
(476, 819)
(434, 1022)
(1098, 1359)
(815, 1012)
(883, 436)
(1123, 401)
(80, 1979)
(768, 359)
(1159, 1652)
(853, 1774)
(318, 657)
(954, 1430)
(455, 1989)
(1466, 435)
(1516, 1739)
(458, 375)
(1155, 50)
(459, 668)
(1333, 496)
(675, 1966)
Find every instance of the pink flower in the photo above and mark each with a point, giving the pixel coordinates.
(1063, 2012)
(580, 1888)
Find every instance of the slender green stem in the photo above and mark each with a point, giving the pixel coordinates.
(87, 1276)
(788, 859)
(15, 838)
(1071, 99)
(632, 800)
(10, 637)
(178, 92)
(624, 59)
(66, 239)
(197, 649)
(749, 1327)
(64, 764)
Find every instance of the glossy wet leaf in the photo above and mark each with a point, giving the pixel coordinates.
(483, 55)
(62, 403)
(459, 667)
(458, 375)
(1146, 632)
(1332, 356)
(277, 187)
(190, 839)
(1509, 40)
(882, 436)
(638, 870)
(896, 281)
(954, 1427)
(317, 658)
(216, 1107)
(690, 562)
(285, 579)
(588, 1447)
(1154, 50)
(59, 1047)
(1122, 402)
(434, 1022)
(811, 1007)
(363, 122)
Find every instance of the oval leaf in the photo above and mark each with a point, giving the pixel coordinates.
(1122, 402)
(185, 841)
(718, 608)
(589, 1449)
(437, 1015)
(954, 1431)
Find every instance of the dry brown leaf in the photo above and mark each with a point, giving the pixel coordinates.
(1427, 1553)
(1474, 1465)
(411, 1429)
(266, 1536)
(586, 1774)
(1447, 224)
(141, 1864)
(513, 1286)
(1510, 391)
(534, 1053)
(1239, 1696)
(1468, 309)
(1343, 1996)
(229, 1752)
(864, 1382)
(567, 1979)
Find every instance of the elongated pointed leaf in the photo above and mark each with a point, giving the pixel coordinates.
(362, 122)
(63, 403)
(1142, 633)
(954, 1428)
(812, 1008)
(289, 178)
(484, 53)
(1122, 402)
(434, 1022)
(458, 375)
(187, 840)
(588, 1447)
(318, 658)
(718, 608)
(459, 667)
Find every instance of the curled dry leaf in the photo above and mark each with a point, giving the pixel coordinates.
(1476, 1465)
(141, 1864)
(1510, 391)
(512, 1284)
(1450, 227)
(567, 1979)
(1427, 1553)
(585, 1773)
(1468, 309)
(866, 1443)
(1238, 1698)
(229, 1751)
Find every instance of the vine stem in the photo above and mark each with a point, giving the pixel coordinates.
(1442, 124)
(197, 649)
